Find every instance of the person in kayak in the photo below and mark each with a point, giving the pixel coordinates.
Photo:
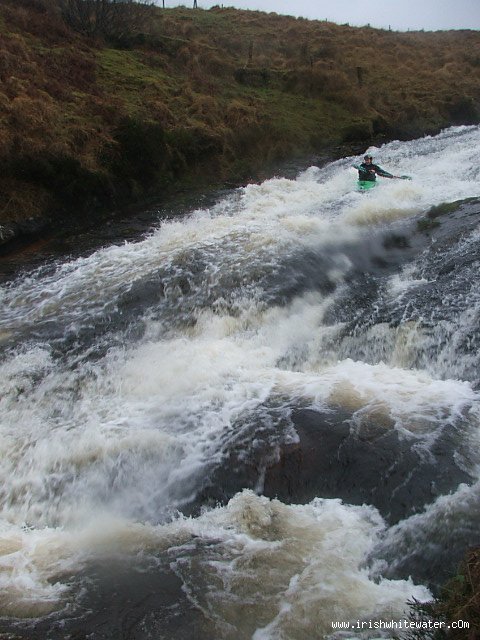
(367, 171)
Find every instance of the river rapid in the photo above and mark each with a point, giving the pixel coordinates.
(151, 390)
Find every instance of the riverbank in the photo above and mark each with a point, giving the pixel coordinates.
(91, 125)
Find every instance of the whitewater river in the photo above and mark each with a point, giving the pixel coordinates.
(255, 419)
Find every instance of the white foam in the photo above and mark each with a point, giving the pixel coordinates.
(297, 567)
(266, 555)
(400, 284)
(147, 419)
(412, 401)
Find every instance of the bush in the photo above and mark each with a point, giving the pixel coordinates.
(358, 132)
(64, 176)
(463, 110)
(458, 600)
(115, 20)
(141, 151)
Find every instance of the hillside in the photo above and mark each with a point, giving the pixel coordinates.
(89, 124)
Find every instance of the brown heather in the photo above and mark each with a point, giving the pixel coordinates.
(459, 600)
(87, 124)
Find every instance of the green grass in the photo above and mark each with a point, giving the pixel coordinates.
(124, 75)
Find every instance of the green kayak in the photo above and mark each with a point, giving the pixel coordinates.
(366, 185)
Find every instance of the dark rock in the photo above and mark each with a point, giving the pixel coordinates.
(119, 600)
(368, 463)
(335, 456)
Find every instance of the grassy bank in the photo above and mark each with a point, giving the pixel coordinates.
(88, 124)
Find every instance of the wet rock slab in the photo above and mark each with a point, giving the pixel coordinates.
(118, 600)
(333, 457)
(370, 465)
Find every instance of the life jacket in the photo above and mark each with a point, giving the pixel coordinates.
(365, 174)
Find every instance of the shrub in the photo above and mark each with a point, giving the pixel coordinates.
(459, 600)
(141, 150)
(115, 20)
(463, 110)
(63, 175)
(359, 131)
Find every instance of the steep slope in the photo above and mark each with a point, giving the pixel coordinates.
(91, 124)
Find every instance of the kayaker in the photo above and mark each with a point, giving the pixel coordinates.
(367, 171)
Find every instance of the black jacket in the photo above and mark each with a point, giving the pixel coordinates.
(368, 172)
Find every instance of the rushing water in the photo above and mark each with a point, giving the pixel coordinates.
(139, 379)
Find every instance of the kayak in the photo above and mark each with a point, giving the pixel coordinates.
(366, 185)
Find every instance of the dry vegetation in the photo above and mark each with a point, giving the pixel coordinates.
(459, 600)
(94, 120)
